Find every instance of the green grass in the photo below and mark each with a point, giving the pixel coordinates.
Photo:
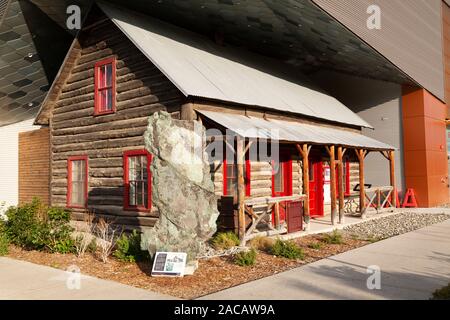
(315, 246)
(225, 240)
(287, 249)
(246, 258)
(334, 237)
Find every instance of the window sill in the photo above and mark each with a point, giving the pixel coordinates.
(75, 207)
(137, 209)
(104, 113)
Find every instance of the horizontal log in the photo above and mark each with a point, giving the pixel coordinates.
(111, 191)
(87, 112)
(118, 210)
(95, 154)
(113, 143)
(111, 125)
(98, 135)
(105, 182)
(135, 110)
(106, 172)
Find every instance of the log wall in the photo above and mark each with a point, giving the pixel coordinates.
(141, 90)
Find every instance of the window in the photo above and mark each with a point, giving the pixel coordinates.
(77, 182)
(282, 177)
(105, 86)
(137, 179)
(230, 178)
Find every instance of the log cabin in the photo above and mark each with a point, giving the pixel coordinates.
(123, 67)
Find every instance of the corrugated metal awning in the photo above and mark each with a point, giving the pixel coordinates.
(252, 127)
(200, 68)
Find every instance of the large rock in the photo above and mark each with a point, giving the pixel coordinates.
(182, 187)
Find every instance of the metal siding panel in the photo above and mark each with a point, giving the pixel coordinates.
(410, 35)
(251, 127)
(200, 68)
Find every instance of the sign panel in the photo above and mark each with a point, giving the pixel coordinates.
(169, 264)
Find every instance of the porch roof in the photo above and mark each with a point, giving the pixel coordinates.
(200, 68)
(281, 130)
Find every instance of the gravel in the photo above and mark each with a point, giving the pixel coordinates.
(394, 225)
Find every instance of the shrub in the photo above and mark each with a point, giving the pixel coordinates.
(4, 241)
(442, 294)
(225, 240)
(92, 247)
(262, 243)
(128, 248)
(246, 258)
(107, 239)
(37, 227)
(287, 249)
(334, 237)
(315, 246)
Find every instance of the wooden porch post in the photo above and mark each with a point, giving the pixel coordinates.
(361, 153)
(392, 176)
(304, 152)
(340, 155)
(331, 153)
(241, 187)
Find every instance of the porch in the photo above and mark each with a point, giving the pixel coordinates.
(287, 212)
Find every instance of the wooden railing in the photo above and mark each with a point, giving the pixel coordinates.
(267, 206)
(378, 199)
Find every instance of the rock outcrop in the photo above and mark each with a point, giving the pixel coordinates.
(182, 188)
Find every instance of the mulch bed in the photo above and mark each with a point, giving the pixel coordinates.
(213, 274)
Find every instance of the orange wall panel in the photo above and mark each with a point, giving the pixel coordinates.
(425, 152)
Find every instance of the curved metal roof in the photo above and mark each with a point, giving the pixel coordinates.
(200, 68)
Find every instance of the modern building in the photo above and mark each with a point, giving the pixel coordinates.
(387, 61)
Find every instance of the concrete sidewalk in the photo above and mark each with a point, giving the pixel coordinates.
(24, 280)
(412, 266)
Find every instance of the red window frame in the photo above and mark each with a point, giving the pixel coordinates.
(69, 181)
(97, 107)
(247, 177)
(127, 206)
(287, 170)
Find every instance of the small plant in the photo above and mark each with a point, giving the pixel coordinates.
(287, 249)
(315, 246)
(4, 241)
(225, 240)
(262, 243)
(334, 237)
(442, 294)
(92, 247)
(84, 236)
(246, 258)
(128, 248)
(107, 239)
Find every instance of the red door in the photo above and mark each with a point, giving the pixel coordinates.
(282, 182)
(316, 188)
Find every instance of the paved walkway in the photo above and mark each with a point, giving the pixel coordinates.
(412, 266)
(24, 280)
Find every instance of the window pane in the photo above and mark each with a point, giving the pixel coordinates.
(108, 80)
(78, 183)
(278, 178)
(231, 180)
(138, 181)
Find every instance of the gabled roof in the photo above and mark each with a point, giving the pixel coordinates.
(200, 68)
